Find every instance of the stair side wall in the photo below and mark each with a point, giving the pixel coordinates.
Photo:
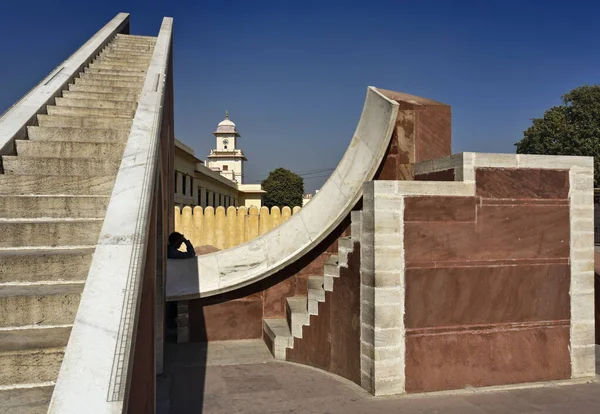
(332, 339)
(239, 314)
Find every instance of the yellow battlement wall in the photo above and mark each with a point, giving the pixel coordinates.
(225, 228)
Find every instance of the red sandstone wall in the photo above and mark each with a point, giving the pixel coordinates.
(487, 283)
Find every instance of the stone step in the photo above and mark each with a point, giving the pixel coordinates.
(98, 112)
(96, 103)
(134, 42)
(48, 184)
(84, 121)
(130, 48)
(297, 314)
(135, 37)
(116, 66)
(127, 92)
(142, 40)
(26, 399)
(20, 165)
(345, 247)
(278, 337)
(106, 77)
(102, 96)
(316, 293)
(124, 59)
(34, 337)
(137, 83)
(43, 264)
(31, 366)
(69, 149)
(331, 271)
(56, 206)
(355, 225)
(49, 232)
(77, 134)
(116, 54)
(122, 73)
(39, 304)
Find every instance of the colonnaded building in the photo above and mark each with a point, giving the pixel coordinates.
(220, 180)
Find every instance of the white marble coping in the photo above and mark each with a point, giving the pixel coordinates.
(250, 262)
(96, 368)
(464, 163)
(14, 121)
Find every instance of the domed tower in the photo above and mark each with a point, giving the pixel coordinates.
(227, 158)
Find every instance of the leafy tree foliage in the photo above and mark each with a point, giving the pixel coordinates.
(572, 128)
(284, 188)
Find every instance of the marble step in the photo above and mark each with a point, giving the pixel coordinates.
(26, 399)
(30, 366)
(65, 264)
(345, 247)
(111, 55)
(57, 134)
(128, 47)
(52, 184)
(96, 103)
(297, 314)
(34, 337)
(112, 51)
(137, 83)
(141, 38)
(331, 271)
(111, 76)
(69, 149)
(105, 89)
(68, 121)
(19, 233)
(53, 206)
(20, 165)
(278, 337)
(131, 96)
(87, 111)
(125, 67)
(51, 303)
(316, 293)
(124, 59)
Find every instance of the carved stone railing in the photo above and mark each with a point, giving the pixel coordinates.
(109, 364)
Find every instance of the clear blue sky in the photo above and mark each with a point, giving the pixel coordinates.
(293, 74)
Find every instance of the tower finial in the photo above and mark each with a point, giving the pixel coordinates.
(226, 114)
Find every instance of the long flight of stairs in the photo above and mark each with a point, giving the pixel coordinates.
(53, 199)
(280, 333)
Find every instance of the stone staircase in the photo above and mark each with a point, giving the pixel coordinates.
(279, 334)
(53, 199)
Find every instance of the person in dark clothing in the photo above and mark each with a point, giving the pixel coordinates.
(175, 240)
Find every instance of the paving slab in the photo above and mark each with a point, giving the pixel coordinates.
(283, 387)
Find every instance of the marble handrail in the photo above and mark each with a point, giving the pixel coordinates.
(97, 365)
(14, 122)
(250, 262)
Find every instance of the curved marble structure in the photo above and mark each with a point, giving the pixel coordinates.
(250, 262)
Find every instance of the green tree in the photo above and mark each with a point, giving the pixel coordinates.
(572, 128)
(284, 188)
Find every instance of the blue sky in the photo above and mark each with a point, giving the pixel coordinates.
(293, 74)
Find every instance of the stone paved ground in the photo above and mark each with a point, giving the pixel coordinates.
(241, 378)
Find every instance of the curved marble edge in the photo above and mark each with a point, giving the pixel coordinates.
(15, 120)
(250, 262)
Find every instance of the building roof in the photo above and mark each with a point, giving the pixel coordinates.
(226, 126)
